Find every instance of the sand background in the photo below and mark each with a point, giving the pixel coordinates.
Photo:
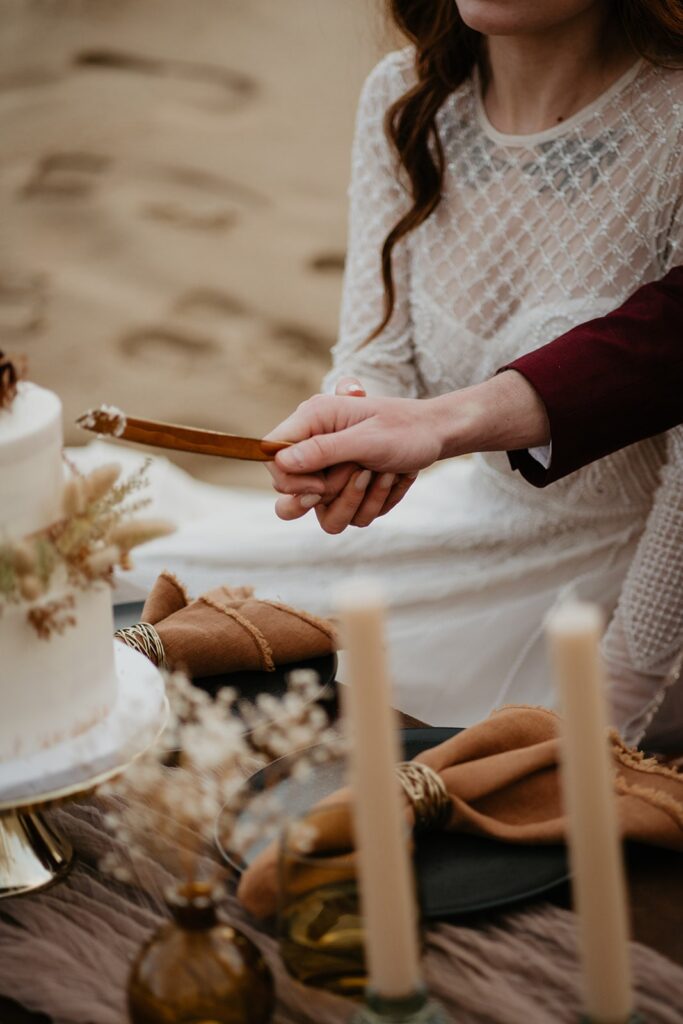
(173, 180)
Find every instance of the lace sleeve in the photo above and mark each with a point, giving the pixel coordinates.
(646, 633)
(377, 201)
(672, 206)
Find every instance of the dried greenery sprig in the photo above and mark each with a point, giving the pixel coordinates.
(95, 534)
(190, 790)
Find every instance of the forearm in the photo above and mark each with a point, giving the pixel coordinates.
(501, 414)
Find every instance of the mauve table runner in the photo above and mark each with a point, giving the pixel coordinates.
(67, 950)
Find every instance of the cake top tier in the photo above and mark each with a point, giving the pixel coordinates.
(33, 420)
(31, 470)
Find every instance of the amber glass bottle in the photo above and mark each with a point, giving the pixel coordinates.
(198, 969)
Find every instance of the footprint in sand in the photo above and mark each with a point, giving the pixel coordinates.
(169, 347)
(209, 301)
(196, 178)
(72, 174)
(233, 88)
(210, 326)
(196, 200)
(328, 263)
(23, 304)
(227, 313)
(180, 216)
(300, 340)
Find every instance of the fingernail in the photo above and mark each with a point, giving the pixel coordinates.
(412, 476)
(386, 480)
(291, 458)
(309, 500)
(353, 389)
(362, 480)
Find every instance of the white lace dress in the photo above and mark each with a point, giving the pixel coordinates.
(534, 234)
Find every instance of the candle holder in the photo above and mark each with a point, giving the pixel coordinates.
(416, 1008)
(320, 928)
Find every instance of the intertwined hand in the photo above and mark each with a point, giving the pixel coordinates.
(355, 459)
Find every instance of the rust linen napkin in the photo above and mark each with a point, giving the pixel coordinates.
(503, 780)
(229, 630)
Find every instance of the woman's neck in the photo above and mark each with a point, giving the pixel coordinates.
(534, 82)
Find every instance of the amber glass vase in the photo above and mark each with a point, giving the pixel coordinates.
(199, 970)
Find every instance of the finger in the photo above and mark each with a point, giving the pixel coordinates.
(302, 423)
(375, 498)
(338, 515)
(296, 483)
(324, 450)
(350, 386)
(317, 415)
(336, 480)
(294, 506)
(398, 491)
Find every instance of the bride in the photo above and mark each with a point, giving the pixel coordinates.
(516, 170)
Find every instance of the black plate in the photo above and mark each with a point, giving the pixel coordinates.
(456, 874)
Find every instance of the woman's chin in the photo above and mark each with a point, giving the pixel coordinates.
(518, 17)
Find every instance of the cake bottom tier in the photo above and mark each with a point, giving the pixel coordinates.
(54, 688)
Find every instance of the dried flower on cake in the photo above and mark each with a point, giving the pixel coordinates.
(30, 587)
(139, 531)
(93, 537)
(101, 480)
(24, 558)
(53, 616)
(74, 498)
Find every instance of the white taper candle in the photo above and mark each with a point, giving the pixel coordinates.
(385, 872)
(574, 631)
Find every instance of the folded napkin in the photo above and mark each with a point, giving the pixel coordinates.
(229, 630)
(503, 780)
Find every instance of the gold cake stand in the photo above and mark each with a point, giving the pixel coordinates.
(33, 855)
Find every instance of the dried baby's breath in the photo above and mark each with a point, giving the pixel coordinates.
(173, 803)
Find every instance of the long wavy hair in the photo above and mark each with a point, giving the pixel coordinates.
(446, 52)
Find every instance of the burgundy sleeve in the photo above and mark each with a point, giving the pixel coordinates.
(609, 382)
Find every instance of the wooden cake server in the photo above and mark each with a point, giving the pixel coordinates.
(110, 421)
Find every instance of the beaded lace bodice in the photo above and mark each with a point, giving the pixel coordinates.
(533, 235)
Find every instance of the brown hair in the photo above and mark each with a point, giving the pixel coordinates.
(446, 52)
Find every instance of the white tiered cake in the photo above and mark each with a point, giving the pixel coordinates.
(51, 688)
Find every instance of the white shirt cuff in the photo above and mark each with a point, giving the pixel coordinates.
(544, 454)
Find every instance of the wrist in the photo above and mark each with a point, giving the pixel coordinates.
(458, 421)
(500, 414)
